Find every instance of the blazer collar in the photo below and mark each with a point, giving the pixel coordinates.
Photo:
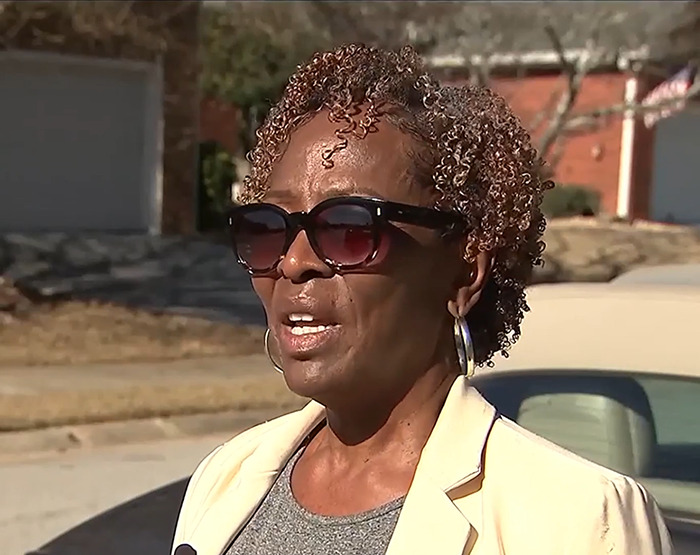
(454, 451)
(220, 521)
(452, 457)
(430, 522)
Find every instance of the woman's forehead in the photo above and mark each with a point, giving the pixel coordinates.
(375, 165)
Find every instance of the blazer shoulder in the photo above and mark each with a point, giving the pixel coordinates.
(596, 508)
(233, 452)
(219, 468)
(536, 452)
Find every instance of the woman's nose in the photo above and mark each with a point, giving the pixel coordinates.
(301, 262)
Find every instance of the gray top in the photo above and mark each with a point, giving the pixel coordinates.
(281, 526)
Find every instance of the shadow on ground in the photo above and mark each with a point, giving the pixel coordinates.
(142, 526)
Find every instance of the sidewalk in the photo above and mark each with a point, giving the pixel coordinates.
(35, 380)
(55, 408)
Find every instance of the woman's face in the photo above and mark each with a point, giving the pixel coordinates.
(384, 325)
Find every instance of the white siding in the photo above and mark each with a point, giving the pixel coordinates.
(676, 180)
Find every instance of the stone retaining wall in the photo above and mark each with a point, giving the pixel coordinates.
(200, 276)
(581, 249)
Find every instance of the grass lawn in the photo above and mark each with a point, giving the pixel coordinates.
(76, 332)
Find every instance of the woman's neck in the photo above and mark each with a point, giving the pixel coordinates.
(368, 452)
(398, 428)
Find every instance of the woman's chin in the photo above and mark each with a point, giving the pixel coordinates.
(311, 379)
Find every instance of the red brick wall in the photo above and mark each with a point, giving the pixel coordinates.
(180, 113)
(218, 121)
(590, 158)
(643, 157)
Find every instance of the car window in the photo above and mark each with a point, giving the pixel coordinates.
(647, 427)
(675, 405)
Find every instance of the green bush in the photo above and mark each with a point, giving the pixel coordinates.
(217, 173)
(570, 200)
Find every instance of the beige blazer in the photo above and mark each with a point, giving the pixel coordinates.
(483, 486)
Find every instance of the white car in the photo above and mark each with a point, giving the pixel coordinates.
(609, 372)
(665, 274)
(612, 372)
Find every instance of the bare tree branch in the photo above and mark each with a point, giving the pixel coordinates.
(574, 72)
(587, 119)
(543, 115)
(614, 30)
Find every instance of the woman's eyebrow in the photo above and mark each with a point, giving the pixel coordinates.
(341, 190)
(289, 196)
(280, 195)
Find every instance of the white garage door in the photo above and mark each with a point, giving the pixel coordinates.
(78, 145)
(676, 182)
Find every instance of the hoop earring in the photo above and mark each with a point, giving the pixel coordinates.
(465, 347)
(268, 352)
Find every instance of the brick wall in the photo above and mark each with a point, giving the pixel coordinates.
(218, 121)
(180, 117)
(642, 157)
(590, 158)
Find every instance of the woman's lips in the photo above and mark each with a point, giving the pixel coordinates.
(306, 338)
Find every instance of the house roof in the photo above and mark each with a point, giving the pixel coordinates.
(452, 33)
(505, 27)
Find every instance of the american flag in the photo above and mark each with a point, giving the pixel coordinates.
(674, 87)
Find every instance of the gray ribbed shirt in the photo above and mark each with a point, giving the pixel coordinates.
(281, 526)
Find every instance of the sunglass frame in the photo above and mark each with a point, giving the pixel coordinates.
(382, 212)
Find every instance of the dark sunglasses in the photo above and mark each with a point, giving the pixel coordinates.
(344, 232)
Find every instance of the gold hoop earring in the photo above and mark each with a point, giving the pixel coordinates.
(464, 346)
(268, 352)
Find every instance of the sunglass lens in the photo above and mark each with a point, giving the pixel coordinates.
(345, 234)
(259, 237)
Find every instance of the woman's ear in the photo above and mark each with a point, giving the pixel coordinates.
(470, 284)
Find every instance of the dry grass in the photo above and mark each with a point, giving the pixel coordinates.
(23, 412)
(76, 332)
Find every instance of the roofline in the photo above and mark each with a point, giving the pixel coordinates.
(543, 59)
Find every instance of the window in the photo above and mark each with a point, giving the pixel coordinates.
(645, 426)
(675, 406)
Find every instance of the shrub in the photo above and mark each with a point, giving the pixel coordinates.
(570, 200)
(217, 173)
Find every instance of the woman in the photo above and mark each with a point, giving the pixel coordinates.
(390, 225)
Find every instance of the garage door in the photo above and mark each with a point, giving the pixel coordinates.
(676, 182)
(78, 145)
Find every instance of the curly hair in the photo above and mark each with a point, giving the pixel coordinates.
(469, 146)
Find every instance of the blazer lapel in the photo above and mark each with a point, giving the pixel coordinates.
(430, 522)
(225, 517)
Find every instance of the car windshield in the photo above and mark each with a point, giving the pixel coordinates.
(645, 426)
